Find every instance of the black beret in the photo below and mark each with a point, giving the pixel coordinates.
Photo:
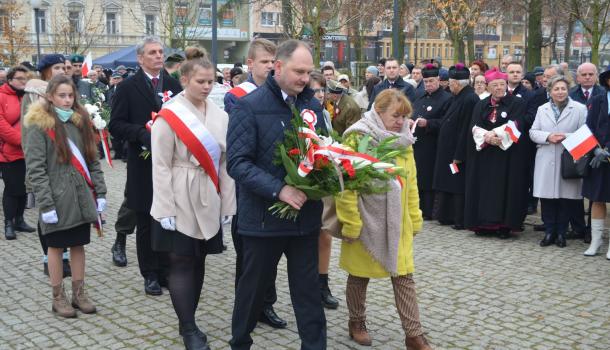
(236, 71)
(49, 60)
(459, 72)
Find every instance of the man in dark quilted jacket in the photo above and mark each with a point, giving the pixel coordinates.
(256, 125)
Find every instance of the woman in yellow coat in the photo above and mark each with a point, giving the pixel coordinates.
(377, 243)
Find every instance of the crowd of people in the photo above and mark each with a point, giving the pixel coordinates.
(483, 146)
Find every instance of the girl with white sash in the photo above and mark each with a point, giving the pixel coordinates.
(191, 189)
(63, 168)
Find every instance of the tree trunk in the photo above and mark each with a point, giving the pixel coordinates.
(287, 19)
(596, 38)
(534, 35)
(470, 41)
(554, 41)
(567, 48)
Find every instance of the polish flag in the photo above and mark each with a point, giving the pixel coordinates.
(454, 168)
(580, 142)
(512, 131)
(87, 65)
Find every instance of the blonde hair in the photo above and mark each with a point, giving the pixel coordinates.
(388, 98)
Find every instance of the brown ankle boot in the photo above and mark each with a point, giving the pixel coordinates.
(417, 343)
(358, 332)
(80, 299)
(61, 306)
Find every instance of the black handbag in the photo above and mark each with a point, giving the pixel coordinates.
(571, 169)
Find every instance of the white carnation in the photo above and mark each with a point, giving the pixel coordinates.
(99, 123)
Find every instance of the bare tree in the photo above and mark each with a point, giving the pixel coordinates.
(593, 15)
(13, 39)
(76, 29)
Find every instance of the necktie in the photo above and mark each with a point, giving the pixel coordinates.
(586, 94)
(155, 82)
(290, 100)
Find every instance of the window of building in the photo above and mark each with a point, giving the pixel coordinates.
(270, 19)
(111, 23)
(4, 21)
(74, 21)
(182, 11)
(228, 16)
(205, 14)
(490, 29)
(150, 24)
(42, 21)
(446, 51)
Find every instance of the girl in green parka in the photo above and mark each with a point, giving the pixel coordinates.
(58, 141)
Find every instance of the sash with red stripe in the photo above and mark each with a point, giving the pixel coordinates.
(78, 162)
(195, 136)
(242, 89)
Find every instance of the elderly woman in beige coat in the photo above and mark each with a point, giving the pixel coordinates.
(191, 190)
(554, 121)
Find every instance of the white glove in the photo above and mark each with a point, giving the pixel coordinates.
(50, 217)
(101, 204)
(169, 223)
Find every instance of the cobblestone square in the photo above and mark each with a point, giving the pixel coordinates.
(474, 293)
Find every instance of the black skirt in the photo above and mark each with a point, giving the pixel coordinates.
(72, 237)
(596, 186)
(13, 175)
(180, 244)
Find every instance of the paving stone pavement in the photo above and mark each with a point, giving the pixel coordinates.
(474, 293)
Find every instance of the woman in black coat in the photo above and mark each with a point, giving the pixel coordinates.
(596, 187)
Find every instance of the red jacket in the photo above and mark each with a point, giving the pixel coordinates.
(10, 126)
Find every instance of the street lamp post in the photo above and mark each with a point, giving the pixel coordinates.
(36, 5)
(416, 48)
(214, 33)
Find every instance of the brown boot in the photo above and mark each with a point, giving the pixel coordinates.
(80, 299)
(417, 343)
(61, 306)
(358, 332)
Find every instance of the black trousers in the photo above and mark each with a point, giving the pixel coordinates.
(152, 264)
(126, 219)
(14, 196)
(556, 214)
(426, 203)
(450, 208)
(577, 216)
(270, 294)
(261, 256)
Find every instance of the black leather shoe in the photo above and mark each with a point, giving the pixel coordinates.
(328, 300)
(192, 340)
(119, 258)
(152, 287)
(457, 227)
(22, 226)
(269, 317)
(197, 330)
(549, 238)
(9, 231)
(561, 240)
(66, 268)
(575, 235)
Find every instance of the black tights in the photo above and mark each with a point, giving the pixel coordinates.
(185, 283)
(13, 206)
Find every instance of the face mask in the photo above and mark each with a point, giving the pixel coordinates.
(63, 114)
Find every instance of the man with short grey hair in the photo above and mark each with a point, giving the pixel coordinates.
(134, 101)
(505, 61)
(587, 88)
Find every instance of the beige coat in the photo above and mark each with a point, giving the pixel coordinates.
(181, 188)
(548, 182)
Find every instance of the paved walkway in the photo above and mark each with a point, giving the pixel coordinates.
(474, 293)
